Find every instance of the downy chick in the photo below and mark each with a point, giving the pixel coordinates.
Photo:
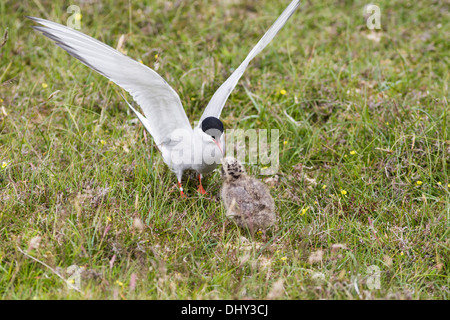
(247, 200)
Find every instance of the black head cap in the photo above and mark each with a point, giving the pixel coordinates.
(213, 127)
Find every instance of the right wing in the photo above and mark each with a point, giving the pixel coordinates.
(215, 106)
(161, 105)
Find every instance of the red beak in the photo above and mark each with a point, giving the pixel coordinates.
(218, 145)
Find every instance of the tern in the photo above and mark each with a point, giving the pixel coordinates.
(247, 200)
(182, 147)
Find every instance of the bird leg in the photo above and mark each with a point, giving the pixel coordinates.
(181, 190)
(200, 187)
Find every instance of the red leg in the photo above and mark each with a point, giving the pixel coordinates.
(181, 190)
(200, 187)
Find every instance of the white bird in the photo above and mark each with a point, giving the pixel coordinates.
(181, 146)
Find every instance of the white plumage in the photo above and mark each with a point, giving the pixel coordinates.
(182, 146)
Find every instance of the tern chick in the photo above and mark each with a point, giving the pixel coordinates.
(247, 200)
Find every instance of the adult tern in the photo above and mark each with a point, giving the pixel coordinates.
(182, 147)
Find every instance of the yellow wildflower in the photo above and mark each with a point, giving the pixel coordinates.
(283, 92)
(283, 259)
(103, 142)
(44, 85)
(353, 152)
(120, 283)
(1, 100)
(156, 56)
(343, 192)
(304, 210)
(324, 186)
(418, 182)
(109, 219)
(439, 183)
(140, 61)
(4, 164)
(78, 16)
(285, 142)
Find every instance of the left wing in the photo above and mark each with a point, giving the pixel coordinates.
(160, 103)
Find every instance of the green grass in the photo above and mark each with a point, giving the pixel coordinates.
(386, 100)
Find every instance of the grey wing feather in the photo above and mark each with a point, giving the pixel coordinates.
(215, 106)
(160, 104)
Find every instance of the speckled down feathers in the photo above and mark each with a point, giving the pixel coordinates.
(247, 200)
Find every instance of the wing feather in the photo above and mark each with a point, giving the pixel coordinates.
(160, 104)
(215, 106)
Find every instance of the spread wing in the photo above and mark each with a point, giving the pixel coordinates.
(160, 103)
(215, 106)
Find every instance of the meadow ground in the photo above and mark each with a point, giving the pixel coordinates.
(363, 185)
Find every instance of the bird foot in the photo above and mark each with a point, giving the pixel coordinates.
(201, 189)
(182, 195)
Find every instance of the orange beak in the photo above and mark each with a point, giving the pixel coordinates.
(218, 145)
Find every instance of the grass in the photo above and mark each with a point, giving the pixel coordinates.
(81, 184)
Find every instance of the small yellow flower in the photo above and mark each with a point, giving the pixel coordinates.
(324, 186)
(92, 84)
(109, 219)
(156, 56)
(315, 202)
(71, 281)
(140, 61)
(418, 182)
(1, 100)
(448, 185)
(259, 232)
(277, 251)
(401, 253)
(193, 99)
(103, 142)
(120, 283)
(265, 167)
(285, 142)
(4, 164)
(386, 123)
(439, 183)
(283, 92)
(78, 16)
(345, 156)
(304, 210)
(283, 259)
(343, 192)
(353, 152)
(44, 85)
